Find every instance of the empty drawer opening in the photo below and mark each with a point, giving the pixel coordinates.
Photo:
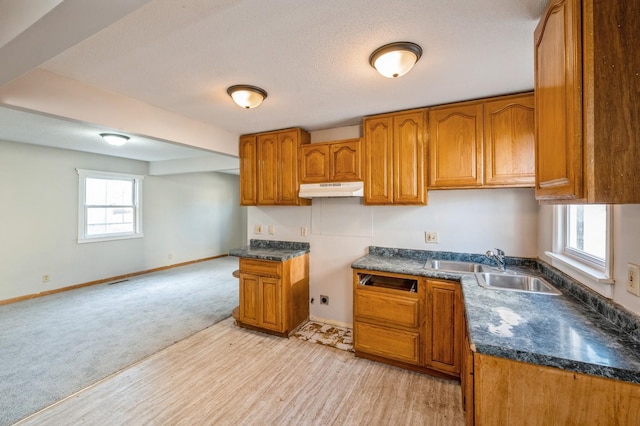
(402, 284)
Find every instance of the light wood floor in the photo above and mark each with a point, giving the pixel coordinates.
(226, 375)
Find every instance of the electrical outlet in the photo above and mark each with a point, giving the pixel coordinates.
(272, 230)
(304, 231)
(46, 278)
(431, 237)
(324, 300)
(257, 229)
(633, 279)
(170, 256)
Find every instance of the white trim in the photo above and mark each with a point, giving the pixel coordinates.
(98, 173)
(598, 278)
(82, 230)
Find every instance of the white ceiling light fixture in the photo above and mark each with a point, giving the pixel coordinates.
(247, 96)
(114, 138)
(395, 59)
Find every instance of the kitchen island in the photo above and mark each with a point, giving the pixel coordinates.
(274, 286)
(528, 346)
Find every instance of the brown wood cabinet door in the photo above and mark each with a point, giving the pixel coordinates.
(456, 139)
(271, 304)
(314, 163)
(249, 302)
(248, 170)
(346, 161)
(509, 142)
(409, 158)
(268, 169)
(444, 326)
(378, 169)
(558, 104)
(287, 168)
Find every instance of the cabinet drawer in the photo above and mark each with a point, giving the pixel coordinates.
(387, 308)
(261, 267)
(387, 342)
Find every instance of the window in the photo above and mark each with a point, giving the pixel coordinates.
(109, 206)
(586, 237)
(582, 245)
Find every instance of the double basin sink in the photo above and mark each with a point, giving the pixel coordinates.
(493, 278)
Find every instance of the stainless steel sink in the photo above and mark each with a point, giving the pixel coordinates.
(456, 266)
(516, 282)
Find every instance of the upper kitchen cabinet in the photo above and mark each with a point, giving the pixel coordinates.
(337, 161)
(248, 170)
(273, 176)
(484, 143)
(395, 158)
(587, 102)
(455, 146)
(509, 141)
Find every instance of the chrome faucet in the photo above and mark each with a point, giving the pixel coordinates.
(498, 256)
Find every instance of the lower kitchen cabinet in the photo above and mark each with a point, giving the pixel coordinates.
(500, 391)
(508, 392)
(444, 326)
(408, 321)
(274, 295)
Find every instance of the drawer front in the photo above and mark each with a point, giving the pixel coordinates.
(388, 309)
(387, 342)
(261, 267)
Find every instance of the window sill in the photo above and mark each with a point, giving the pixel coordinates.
(593, 278)
(110, 238)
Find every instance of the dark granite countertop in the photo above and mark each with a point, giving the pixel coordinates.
(576, 331)
(271, 250)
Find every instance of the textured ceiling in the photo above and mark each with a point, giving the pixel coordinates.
(310, 56)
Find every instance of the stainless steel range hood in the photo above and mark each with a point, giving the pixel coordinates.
(331, 189)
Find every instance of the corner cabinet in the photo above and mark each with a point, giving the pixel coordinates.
(587, 107)
(395, 157)
(269, 168)
(337, 161)
(274, 295)
(486, 143)
(408, 321)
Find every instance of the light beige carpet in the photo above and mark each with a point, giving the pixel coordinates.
(55, 345)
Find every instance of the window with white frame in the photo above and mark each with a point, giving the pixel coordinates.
(109, 207)
(586, 234)
(582, 243)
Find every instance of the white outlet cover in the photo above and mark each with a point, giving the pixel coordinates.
(633, 272)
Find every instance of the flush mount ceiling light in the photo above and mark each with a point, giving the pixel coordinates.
(395, 59)
(114, 138)
(247, 96)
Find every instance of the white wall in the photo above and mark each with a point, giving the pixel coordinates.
(191, 216)
(342, 230)
(626, 247)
